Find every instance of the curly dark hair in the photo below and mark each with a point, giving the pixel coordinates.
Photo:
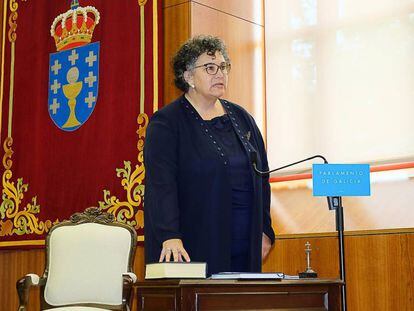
(190, 51)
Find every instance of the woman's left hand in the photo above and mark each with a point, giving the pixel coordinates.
(266, 245)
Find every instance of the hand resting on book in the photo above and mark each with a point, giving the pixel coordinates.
(173, 248)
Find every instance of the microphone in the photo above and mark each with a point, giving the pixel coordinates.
(333, 202)
(253, 159)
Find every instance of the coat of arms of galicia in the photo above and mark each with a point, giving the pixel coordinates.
(74, 69)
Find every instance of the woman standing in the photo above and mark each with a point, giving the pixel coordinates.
(203, 200)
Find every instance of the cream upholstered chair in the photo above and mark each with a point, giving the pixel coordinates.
(88, 265)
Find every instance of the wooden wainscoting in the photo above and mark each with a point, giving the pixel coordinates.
(14, 264)
(379, 267)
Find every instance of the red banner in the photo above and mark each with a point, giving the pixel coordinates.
(78, 84)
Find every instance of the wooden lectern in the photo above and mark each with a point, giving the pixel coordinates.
(185, 295)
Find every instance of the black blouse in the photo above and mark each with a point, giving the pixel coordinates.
(241, 190)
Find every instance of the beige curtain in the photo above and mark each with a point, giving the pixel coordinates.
(340, 80)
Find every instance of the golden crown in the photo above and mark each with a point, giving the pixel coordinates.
(75, 27)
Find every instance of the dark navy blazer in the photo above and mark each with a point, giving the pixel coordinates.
(187, 186)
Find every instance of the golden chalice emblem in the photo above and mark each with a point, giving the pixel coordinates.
(71, 91)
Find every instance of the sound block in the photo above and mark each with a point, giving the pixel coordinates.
(307, 275)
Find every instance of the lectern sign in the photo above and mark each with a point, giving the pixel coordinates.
(341, 180)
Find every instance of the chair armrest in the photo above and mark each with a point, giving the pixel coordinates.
(132, 276)
(129, 278)
(23, 288)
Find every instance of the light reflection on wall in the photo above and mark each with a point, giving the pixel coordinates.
(339, 80)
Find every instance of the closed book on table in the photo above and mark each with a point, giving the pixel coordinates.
(248, 276)
(176, 270)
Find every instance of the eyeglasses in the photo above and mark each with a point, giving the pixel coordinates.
(212, 68)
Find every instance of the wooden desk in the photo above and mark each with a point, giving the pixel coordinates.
(311, 294)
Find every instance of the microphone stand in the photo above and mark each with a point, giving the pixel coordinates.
(334, 203)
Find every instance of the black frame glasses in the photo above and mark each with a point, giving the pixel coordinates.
(212, 68)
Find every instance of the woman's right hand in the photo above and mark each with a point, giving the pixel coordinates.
(175, 248)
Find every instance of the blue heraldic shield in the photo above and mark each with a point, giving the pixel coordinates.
(73, 85)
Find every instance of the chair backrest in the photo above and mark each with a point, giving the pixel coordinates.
(86, 258)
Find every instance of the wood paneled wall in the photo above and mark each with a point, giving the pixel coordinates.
(14, 264)
(379, 267)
